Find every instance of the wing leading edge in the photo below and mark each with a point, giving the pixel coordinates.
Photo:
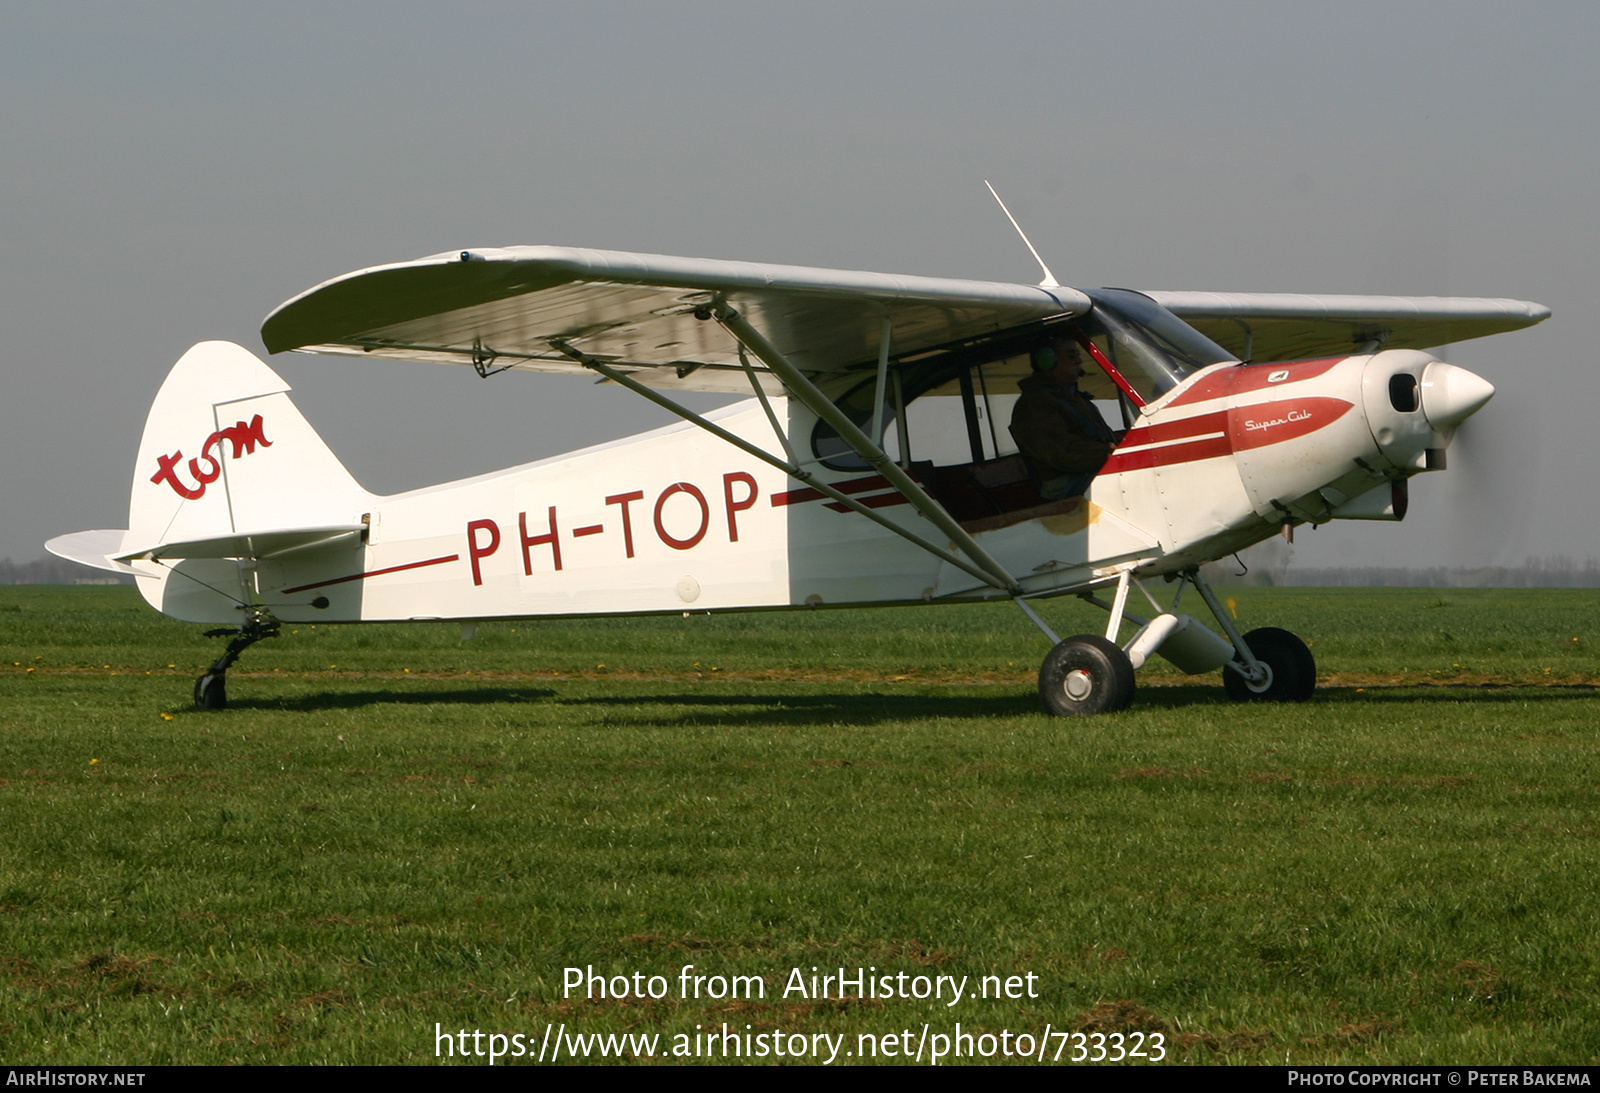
(503, 307)
(1274, 326)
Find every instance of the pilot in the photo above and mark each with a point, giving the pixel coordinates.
(1056, 426)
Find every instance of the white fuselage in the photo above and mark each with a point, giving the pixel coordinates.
(678, 520)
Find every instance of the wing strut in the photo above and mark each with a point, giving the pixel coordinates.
(772, 418)
(882, 389)
(802, 388)
(789, 466)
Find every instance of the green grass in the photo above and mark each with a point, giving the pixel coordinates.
(1401, 871)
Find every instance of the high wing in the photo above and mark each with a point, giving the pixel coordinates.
(503, 307)
(508, 307)
(1274, 326)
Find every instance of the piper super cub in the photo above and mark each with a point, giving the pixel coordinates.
(874, 463)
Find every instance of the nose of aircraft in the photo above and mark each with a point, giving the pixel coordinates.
(1450, 395)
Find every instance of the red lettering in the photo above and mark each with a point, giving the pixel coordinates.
(474, 551)
(170, 477)
(626, 499)
(705, 515)
(244, 438)
(737, 506)
(205, 453)
(531, 541)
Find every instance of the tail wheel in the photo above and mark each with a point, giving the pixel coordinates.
(1290, 671)
(211, 691)
(1086, 675)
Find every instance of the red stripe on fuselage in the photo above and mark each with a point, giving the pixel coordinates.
(852, 485)
(371, 573)
(877, 501)
(1188, 452)
(1274, 422)
(1239, 429)
(1160, 432)
(795, 497)
(1244, 378)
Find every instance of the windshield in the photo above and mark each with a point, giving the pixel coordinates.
(1149, 345)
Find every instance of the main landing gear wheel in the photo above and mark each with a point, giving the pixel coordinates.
(1086, 675)
(1290, 670)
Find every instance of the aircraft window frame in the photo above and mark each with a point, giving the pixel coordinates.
(985, 428)
(908, 381)
(1152, 348)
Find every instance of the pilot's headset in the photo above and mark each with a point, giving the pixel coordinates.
(1045, 358)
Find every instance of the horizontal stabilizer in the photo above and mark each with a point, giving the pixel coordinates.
(253, 544)
(91, 548)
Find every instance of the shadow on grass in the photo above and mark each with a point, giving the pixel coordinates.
(770, 708)
(1177, 696)
(787, 708)
(1458, 692)
(815, 709)
(353, 700)
(864, 709)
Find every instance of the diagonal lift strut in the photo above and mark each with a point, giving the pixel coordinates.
(788, 466)
(993, 573)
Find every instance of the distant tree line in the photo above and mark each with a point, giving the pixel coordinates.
(1553, 571)
(53, 570)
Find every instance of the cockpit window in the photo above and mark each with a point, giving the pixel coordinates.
(949, 410)
(953, 406)
(1152, 348)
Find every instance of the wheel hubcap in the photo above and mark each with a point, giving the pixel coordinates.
(1264, 684)
(1077, 684)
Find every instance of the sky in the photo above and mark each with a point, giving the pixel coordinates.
(172, 172)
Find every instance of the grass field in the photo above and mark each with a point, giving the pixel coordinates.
(392, 829)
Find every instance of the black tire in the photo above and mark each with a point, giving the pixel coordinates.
(211, 692)
(1291, 669)
(1086, 675)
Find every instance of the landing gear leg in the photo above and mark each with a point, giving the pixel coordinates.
(211, 689)
(1087, 674)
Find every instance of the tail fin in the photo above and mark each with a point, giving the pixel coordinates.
(225, 452)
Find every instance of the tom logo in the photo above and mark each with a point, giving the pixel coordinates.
(243, 436)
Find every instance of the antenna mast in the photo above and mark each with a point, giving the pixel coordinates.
(1049, 278)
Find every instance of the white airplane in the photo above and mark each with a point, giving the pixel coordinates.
(871, 466)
